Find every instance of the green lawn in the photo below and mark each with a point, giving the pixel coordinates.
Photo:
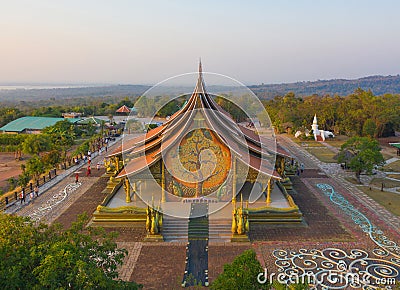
(396, 176)
(352, 180)
(391, 201)
(323, 154)
(394, 166)
(338, 141)
(388, 183)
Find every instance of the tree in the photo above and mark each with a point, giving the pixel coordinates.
(52, 158)
(361, 154)
(47, 257)
(201, 158)
(369, 128)
(241, 274)
(62, 133)
(36, 143)
(35, 167)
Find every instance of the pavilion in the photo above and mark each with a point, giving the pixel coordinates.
(199, 155)
(123, 109)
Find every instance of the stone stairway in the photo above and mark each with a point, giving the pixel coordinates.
(175, 229)
(220, 230)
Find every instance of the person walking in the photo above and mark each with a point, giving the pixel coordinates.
(302, 167)
(22, 196)
(76, 177)
(88, 172)
(98, 166)
(36, 190)
(32, 196)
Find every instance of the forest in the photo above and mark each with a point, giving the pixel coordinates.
(88, 106)
(359, 114)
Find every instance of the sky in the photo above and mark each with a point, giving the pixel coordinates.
(144, 42)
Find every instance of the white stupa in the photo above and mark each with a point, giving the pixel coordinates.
(320, 135)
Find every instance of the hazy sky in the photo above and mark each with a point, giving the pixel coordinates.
(144, 42)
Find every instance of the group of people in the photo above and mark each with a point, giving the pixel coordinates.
(101, 144)
(32, 195)
(89, 168)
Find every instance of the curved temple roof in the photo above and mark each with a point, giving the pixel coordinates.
(246, 144)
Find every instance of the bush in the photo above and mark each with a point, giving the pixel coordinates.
(241, 274)
(47, 257)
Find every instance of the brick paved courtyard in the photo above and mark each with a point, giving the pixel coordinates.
(161, 265)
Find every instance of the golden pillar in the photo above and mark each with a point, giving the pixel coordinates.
(134, 191)
(162, 182)
(234, 179)
(269, 192)
(127, 188)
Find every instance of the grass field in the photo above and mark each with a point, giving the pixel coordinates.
(305, 143)
(391, 201)
(395, 166)
(396, 176)
(323, 154)
(387, 182)
(352, 180)
(338, 141)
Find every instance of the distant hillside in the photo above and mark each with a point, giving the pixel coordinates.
(379, 85)
(68, 93)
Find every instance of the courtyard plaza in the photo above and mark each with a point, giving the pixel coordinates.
(364, 233)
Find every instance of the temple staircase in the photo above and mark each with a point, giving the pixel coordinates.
(219, 230)
(175, 229)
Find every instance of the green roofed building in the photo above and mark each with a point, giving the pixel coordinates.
(396, 145)
(90, 120)
(31, 125)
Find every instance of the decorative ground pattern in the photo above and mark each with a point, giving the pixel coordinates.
(54, 200)
(333, 268)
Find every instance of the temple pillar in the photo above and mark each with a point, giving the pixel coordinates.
(134, 188)
(127, 188)
(268, 200)
(163, 199)
(234, 178)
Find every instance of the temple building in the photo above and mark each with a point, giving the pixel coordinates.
(199, 155)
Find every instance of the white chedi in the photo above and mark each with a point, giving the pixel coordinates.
(320, 133)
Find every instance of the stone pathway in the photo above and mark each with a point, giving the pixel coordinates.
(133, 248)
(391, 160)
(53, 202)
(330, 147)
(52, 184)
(196, 271)
(337, 173)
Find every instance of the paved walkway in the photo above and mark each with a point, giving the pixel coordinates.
(55, 187)
(391, 160)
(338, 174)
(133, 248)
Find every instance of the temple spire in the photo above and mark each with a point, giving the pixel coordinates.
(200, 67)
(200, 83)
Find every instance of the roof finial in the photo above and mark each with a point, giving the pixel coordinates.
(200, 68)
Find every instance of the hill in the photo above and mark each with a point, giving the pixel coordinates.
(379, 85)
(68, 93)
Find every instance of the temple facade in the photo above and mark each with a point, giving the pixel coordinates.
(199, 155)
